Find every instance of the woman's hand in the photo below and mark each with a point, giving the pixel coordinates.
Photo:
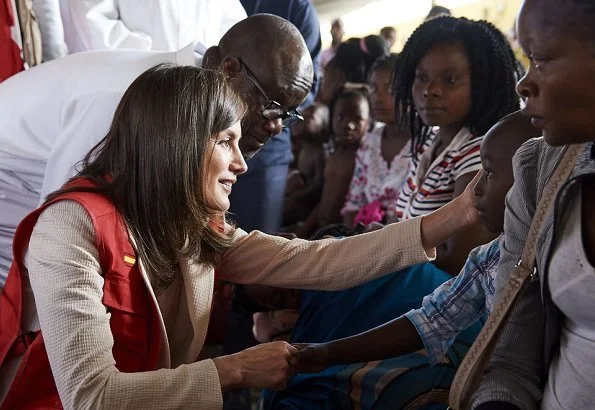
(266, 366)
(467, 201)
(313, 358)
(454, 217)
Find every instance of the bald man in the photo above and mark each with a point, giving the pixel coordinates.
(257, 197)
(53, 114)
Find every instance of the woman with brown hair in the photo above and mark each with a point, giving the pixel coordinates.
(117, 268)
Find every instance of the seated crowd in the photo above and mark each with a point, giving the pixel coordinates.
(420, 182)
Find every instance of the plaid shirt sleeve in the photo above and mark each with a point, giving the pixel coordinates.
(457, 303)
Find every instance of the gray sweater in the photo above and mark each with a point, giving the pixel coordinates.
(519, 366)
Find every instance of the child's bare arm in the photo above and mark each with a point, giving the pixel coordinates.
(337, 177)
(311, 189)
(349, 218)
(391, 339)
(309, 226)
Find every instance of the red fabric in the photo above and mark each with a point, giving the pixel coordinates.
(10, 54)
(222, 295)
(134, 320)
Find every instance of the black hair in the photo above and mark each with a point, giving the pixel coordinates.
(386, 63)
(356, 56)
(494, 73)
(437, 11)
(581, 14)
(386, 30)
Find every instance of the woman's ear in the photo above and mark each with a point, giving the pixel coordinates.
(231, 67)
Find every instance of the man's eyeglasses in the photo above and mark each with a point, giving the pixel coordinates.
(272, 109)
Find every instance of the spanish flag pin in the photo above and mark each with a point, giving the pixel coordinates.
(129, 260)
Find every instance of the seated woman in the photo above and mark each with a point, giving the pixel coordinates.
(383, 158)
(544, 357)
(108, 298)
(458, 76)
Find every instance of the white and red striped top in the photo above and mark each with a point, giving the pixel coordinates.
(430, 185)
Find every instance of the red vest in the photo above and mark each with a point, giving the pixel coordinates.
(10, 54)
(134, 320)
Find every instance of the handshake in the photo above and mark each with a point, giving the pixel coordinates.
(270, 365)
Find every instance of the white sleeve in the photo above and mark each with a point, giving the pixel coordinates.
(233, 12)
(83, 124)
(214, 18)
(52, 29)
(67, 283)
(97, 25)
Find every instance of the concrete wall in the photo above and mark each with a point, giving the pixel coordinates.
(500, 12)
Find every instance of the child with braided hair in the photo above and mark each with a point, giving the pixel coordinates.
(456, 79)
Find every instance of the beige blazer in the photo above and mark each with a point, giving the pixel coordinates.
(65, 278)
(330, 264)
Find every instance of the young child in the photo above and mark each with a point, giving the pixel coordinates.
(455, 80)
(350, 120)
(383, 159)
(461, 301)
(304, 184)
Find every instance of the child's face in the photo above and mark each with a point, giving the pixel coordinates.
(315, 125)
(558, 87)
(332, 81)
(495, 182)
(351, 119)
(442, 86)
(383, 106)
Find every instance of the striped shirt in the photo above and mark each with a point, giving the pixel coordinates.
(430, 185)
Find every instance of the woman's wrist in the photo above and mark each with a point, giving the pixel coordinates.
(230, 373)
(438, 226)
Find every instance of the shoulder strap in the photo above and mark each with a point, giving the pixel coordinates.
(473, 365)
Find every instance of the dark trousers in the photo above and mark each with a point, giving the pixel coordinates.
(257, 198)
(256, 203)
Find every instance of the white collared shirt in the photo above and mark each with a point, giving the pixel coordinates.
(161, 25)
(52, 115)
